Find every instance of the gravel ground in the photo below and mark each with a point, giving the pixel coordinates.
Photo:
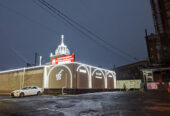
(93, 104)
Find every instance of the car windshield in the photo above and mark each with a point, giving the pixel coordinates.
(24, 88)
(34, 88)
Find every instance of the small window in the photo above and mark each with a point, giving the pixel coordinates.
(24, 88)
(149, 74)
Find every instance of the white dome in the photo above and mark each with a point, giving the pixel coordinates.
(62, 49)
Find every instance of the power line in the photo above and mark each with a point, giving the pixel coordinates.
(30, 20)
(20, 55)
(73, 23)
(92, 33)
(78, 29)
(68, 21)
(26, 17)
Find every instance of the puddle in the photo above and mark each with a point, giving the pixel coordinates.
(89, 113)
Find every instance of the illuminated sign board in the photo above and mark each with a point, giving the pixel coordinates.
(62, 59)
(98, 75)
(110, 76)
(82, 71)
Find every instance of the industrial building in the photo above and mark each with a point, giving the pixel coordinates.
(158, 44)
(155, 70)
(130, 75)
(62, 72)
(156, 76)
(131, 71)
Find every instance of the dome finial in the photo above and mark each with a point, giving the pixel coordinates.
(62, 39)
(62, 49)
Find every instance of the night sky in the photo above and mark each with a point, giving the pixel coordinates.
(26, 28)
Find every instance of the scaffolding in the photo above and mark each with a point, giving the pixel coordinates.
(161, 16)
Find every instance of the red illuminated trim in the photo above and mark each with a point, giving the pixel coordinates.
(62, 59)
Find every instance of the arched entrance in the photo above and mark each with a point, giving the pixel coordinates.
(110, 80)
(82, 77)
(60, 76)
(98, 79)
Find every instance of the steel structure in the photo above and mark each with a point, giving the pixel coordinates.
(158, 44)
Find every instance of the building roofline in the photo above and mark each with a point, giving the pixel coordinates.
(86, 65)
(34, 67)
(19, 69)
(156, 69)
(123, 66)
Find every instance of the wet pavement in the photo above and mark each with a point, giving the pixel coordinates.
(93, 104)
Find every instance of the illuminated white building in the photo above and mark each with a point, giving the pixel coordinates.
(62, 72)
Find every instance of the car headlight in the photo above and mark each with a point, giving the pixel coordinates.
(17, 92)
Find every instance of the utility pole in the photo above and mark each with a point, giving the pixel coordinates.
(35, 58)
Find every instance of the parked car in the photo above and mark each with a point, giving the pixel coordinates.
(27, 91)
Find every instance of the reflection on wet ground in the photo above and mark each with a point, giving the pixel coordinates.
(93, 104)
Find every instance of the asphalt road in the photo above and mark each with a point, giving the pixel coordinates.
(94, 104)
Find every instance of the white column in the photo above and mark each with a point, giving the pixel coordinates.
(105, 79)
(23, 78)
(90, 78)
(40, 60)
(114, 78)
(46, 80)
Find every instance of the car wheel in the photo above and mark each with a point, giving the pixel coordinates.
(12, 95)
(38, 93)
(21, 94)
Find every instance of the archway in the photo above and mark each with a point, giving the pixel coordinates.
(98, 79)
(60, 76)
(110, 80)
(82, 76)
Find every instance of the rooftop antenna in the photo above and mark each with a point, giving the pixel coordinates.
(146, 32)
(40, 62)
(62, 39)
(36, 58)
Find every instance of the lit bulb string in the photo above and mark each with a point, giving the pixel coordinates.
(72, 23)
(50, 65)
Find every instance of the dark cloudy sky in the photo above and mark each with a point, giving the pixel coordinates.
(26, 28)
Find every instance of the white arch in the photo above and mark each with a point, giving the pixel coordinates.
(105, 82)
(87, 72)
(84, 67)
(114, 78)
(66, 68)
(98, 70)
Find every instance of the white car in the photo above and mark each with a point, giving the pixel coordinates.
(27, 91)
